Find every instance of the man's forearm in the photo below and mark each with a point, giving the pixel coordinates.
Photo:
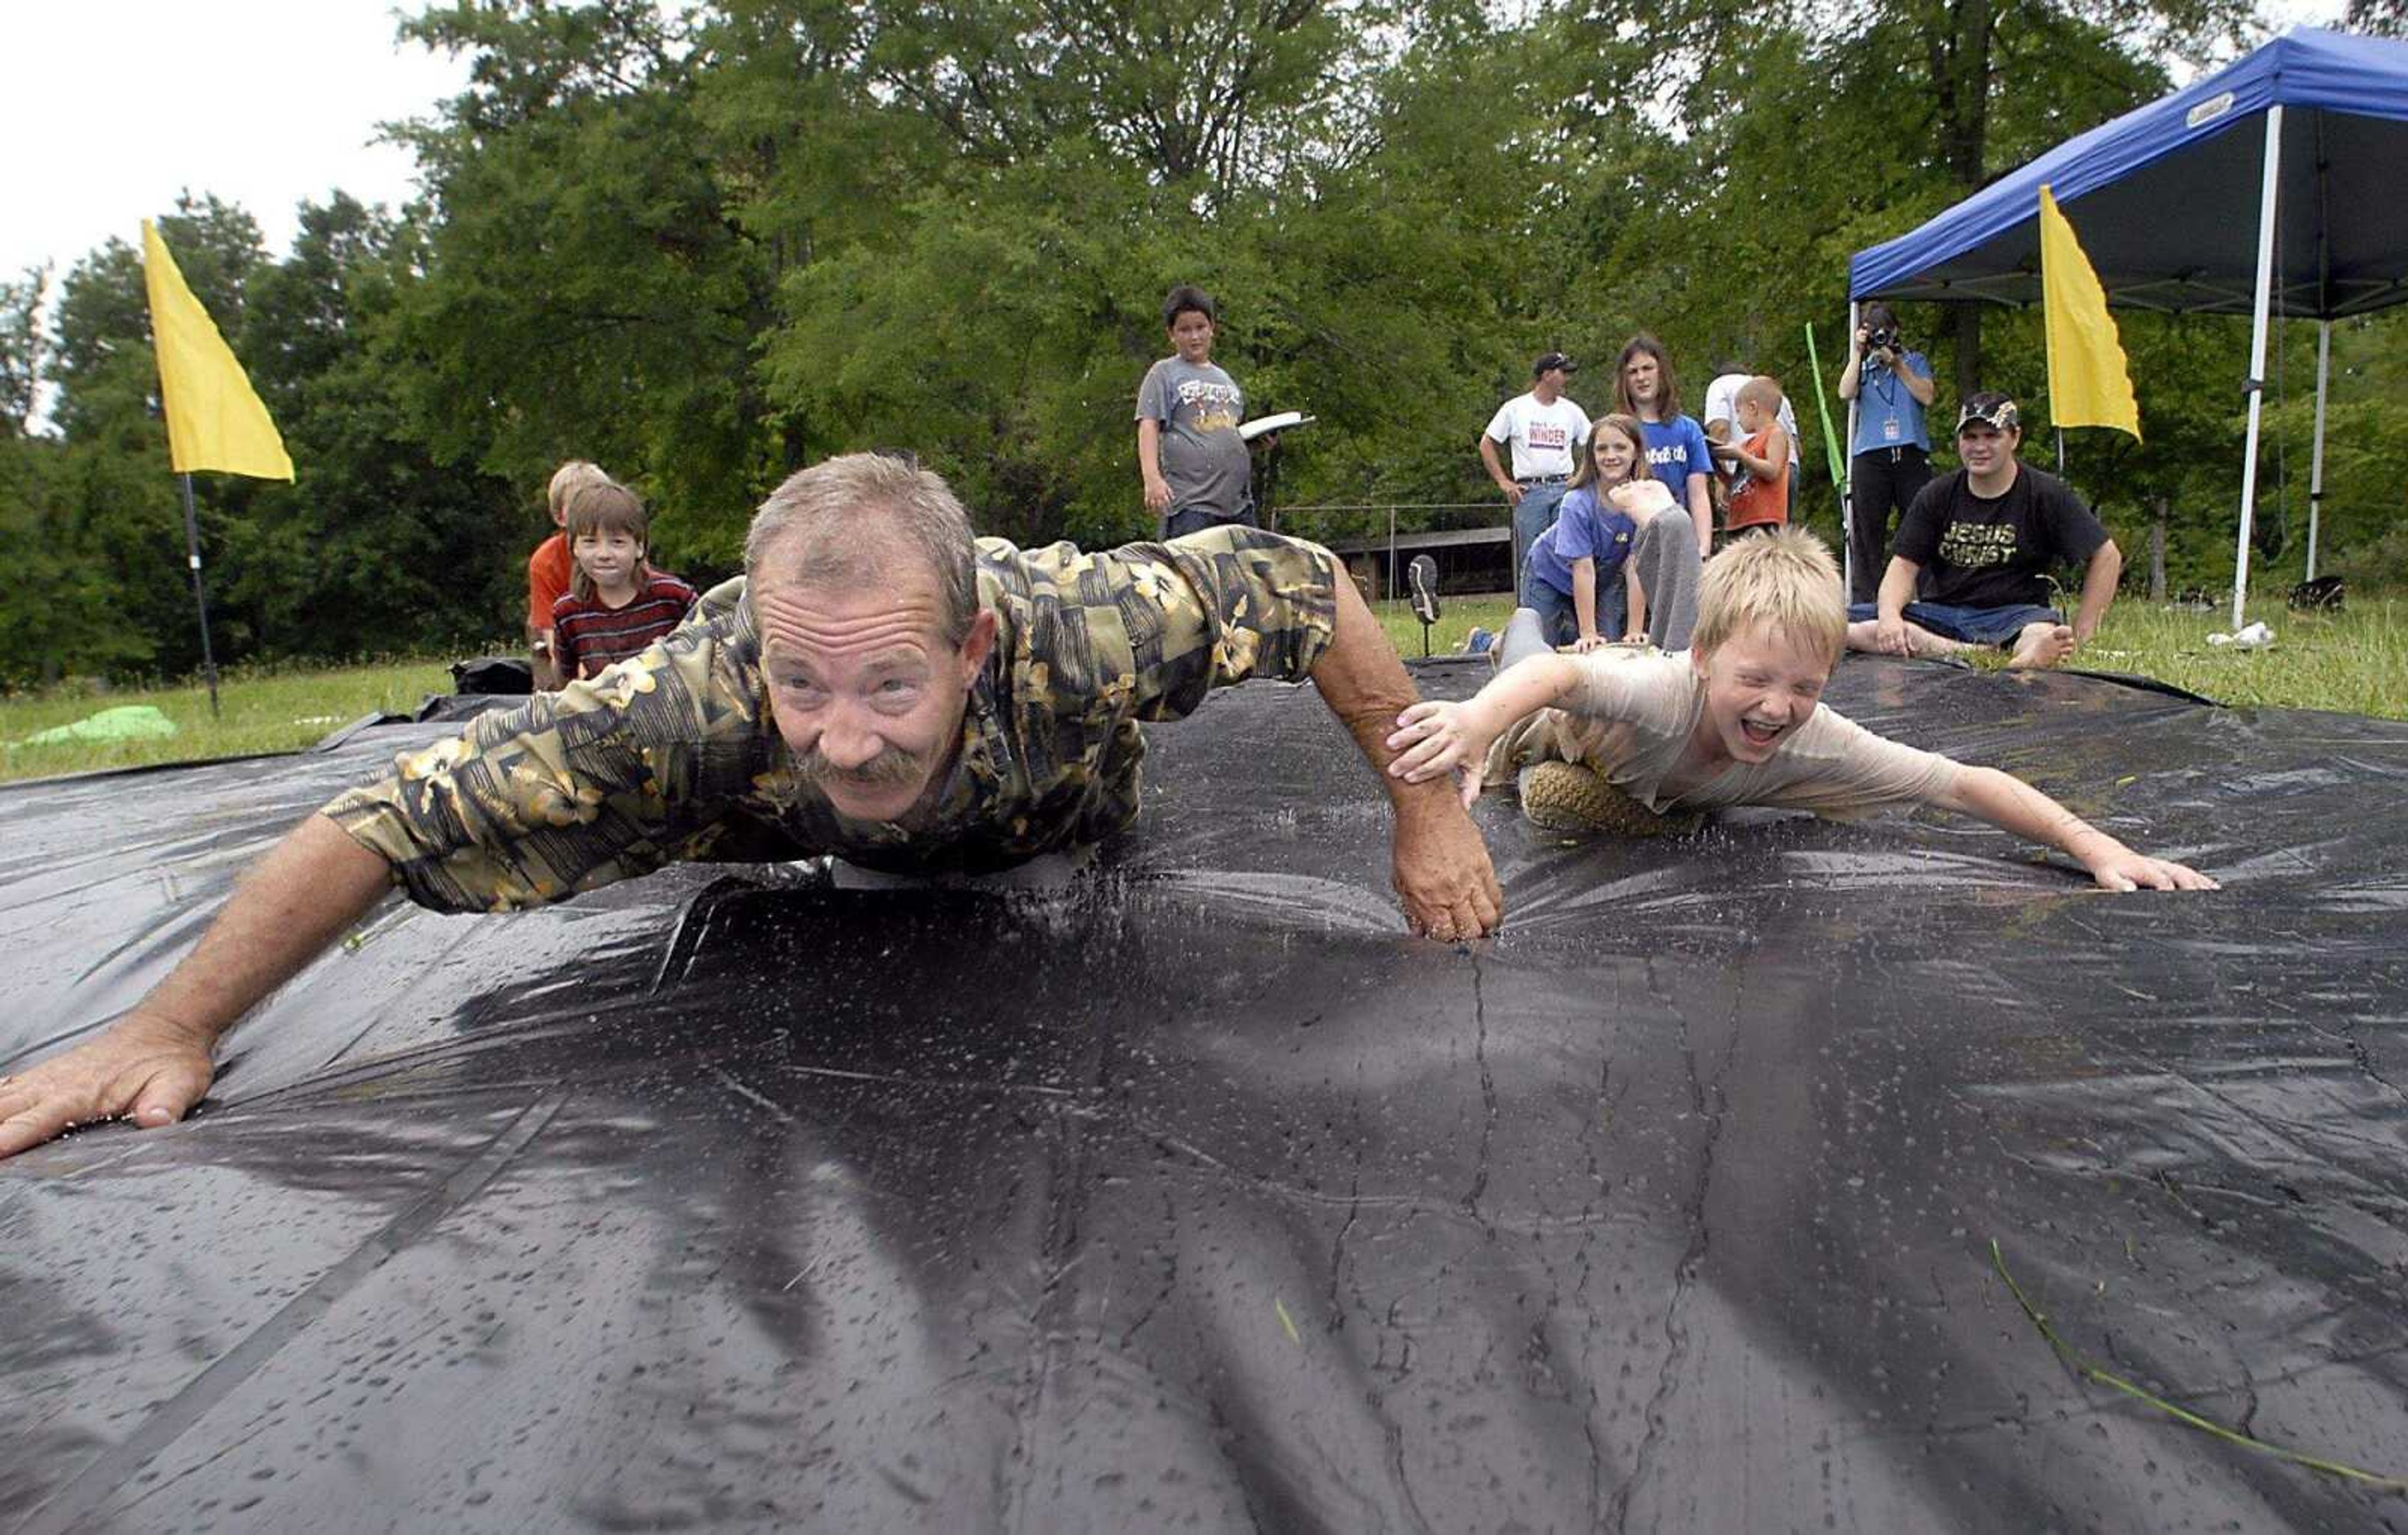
(2098, 581)
(1441, 869)
(291, 904)
(1495, 470)
(1365, 686)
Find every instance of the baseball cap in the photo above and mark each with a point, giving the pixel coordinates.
(1991, 409)
(1551, 360)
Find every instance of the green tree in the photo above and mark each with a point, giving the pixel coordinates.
(110, 495)
(377, 546)
(588, 292)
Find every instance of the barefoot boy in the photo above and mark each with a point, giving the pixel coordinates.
(1980, 544)
(1736, 720)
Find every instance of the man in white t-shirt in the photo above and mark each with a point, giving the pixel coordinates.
(1544, 429)
(1722, 405)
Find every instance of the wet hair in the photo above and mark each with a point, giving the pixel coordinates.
(1184, 298)
(840, 523)
(602, 505)
(1784, 582)
(1763, 392)
(1584, 469)
(1668, 393)
(565, 480)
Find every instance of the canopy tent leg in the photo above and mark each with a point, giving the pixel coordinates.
(2257, 357)
(2316, 455)
(1848, 475)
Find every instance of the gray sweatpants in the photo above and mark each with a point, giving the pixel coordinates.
(1665, 555)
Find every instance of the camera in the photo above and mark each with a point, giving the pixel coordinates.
(1882, 338)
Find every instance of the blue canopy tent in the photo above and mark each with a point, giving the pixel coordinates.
(2312, 129)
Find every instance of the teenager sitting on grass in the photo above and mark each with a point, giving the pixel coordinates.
(1616, 738)
(1971, 568)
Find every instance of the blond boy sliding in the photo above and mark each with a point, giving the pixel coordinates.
(1735, 720)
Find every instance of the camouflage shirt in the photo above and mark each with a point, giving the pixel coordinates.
(672, 755)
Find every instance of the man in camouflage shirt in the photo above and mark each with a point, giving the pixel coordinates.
(879, 688)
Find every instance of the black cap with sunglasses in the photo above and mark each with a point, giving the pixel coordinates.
(1992, 409)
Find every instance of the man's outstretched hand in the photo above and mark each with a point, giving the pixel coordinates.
(142, 1067)
(1442, 872)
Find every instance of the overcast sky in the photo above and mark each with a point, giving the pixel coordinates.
(113, 106)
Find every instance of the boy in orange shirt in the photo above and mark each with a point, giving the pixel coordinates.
(1759, 461)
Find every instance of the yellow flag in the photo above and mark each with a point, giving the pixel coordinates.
(214, 420)
(2088, 384)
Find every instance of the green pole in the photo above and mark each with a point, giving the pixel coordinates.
(1823, 401)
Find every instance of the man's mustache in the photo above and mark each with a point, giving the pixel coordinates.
(890, 769)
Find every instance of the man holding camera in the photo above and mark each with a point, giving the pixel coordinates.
(1890, 460)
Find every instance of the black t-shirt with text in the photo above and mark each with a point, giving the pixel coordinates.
(1979, 551)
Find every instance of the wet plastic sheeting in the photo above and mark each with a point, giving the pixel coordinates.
(1200, 1196)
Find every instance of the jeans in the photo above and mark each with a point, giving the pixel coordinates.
(1880, 480)
(1968, 626)
(1665, 555)
(1533, 516)
(1556, 619)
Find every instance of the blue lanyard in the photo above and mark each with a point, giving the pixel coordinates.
(1887, 383)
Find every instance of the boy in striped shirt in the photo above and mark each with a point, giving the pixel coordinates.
(617, 603)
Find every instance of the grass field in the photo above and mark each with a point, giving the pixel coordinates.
(2355, 662)
(274, 710)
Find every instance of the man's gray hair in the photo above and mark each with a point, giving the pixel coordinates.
(838, 522)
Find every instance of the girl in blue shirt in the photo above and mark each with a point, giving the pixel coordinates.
(1677, 454)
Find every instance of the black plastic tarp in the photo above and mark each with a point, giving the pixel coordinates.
(1199, 1195)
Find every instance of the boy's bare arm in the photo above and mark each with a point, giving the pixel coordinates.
(1772, 460)
(2099, 579)
(153, 1064)
(1435, 737)
(2010, 804)
(1149, 463)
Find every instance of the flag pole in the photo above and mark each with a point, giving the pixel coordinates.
(200, 593)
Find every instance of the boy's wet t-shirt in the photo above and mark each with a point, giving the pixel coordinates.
(1637, 709)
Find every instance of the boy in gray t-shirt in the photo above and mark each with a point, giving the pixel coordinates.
(1617, 738)
(1188, 447)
